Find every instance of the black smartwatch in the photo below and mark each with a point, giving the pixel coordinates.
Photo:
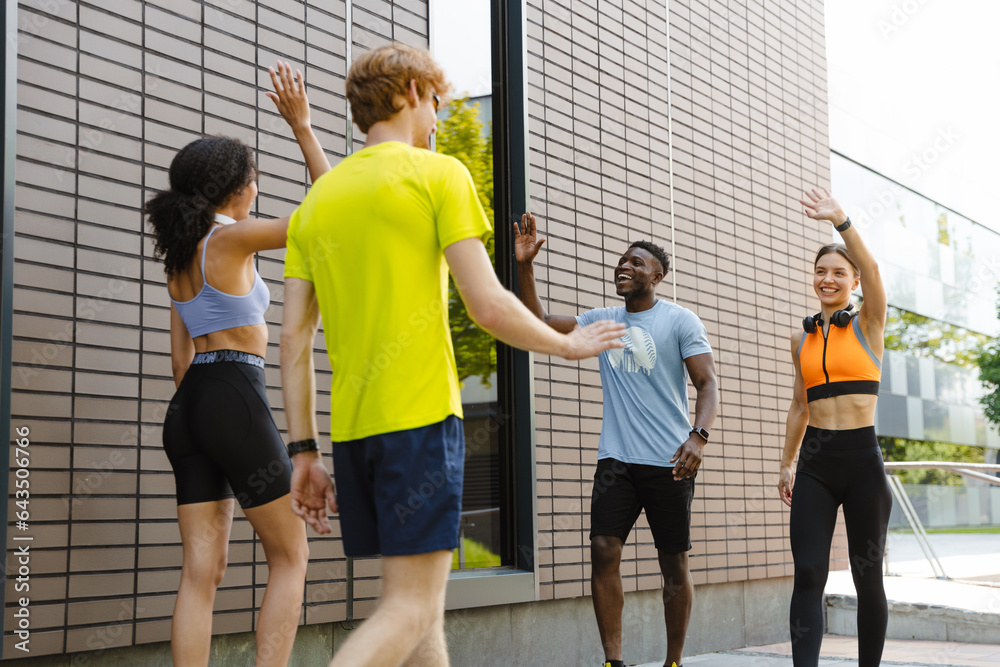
(701, 432)
(844, 227)
(307, 445)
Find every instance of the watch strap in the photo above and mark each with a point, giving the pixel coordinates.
(307, 445)
(701, 433)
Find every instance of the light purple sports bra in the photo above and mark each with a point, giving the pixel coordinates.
(212, 310)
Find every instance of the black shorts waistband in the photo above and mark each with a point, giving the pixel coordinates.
(219, 356)
(830, 439)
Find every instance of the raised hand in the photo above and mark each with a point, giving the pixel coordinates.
(526, 240)
(290, 96)
(820, 205)
(593, 339)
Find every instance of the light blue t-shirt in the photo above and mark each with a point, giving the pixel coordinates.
(645, 384)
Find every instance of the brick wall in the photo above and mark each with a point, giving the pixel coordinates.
(748, 92)
(107, 93)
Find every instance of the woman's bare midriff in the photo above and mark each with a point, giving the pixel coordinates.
(842, 413)
(251, 338)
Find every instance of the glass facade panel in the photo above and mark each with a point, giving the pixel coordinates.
(940, 271)
(891, 419)
(935, 262)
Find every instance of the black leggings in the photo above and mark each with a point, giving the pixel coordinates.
(839, 468)
(220, 436)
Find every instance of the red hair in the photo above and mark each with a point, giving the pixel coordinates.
(380, 76)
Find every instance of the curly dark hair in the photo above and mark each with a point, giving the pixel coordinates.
(656, 251)
(204, 176)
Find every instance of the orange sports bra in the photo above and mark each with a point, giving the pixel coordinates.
(839, 363)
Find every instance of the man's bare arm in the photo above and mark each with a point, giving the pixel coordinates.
(312, 491)
(499, 312)
(526, 246)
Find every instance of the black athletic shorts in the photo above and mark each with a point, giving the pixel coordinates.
(220, 436)
(622, 490)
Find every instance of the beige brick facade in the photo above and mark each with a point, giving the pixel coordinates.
(748, 96)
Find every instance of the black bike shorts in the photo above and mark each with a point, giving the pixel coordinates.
(220, 436)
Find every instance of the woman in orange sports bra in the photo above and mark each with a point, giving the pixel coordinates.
(838, 364)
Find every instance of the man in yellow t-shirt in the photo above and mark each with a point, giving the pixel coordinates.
(369, 250)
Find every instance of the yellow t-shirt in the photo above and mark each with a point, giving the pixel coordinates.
(370, 236)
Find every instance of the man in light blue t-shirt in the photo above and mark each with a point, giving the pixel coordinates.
(649, 451)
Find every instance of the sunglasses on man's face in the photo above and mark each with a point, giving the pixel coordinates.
(437, 101)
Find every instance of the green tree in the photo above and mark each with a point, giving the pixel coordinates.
(461, 135)
(988, 361)
(901, 449)
(924, 337)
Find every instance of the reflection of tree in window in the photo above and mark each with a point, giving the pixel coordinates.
(924, 337)
(942, 222)
(461, 135)
(988, 361)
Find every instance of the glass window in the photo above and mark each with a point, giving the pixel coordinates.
(934, 261)
(919, 336)
(465, 132)
(936, 423)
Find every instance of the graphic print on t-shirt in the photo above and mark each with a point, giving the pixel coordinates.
(639, 354)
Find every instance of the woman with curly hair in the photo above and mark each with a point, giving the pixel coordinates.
(830, 426)
(219, 434)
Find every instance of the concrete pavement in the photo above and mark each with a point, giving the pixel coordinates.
(973, 563)
(843, 652)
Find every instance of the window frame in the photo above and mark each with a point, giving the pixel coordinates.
(8, 102)
(517, 582)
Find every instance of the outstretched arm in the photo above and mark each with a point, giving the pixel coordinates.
(500, 314)
(527, 243)
(290, 97)
(820, 205)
